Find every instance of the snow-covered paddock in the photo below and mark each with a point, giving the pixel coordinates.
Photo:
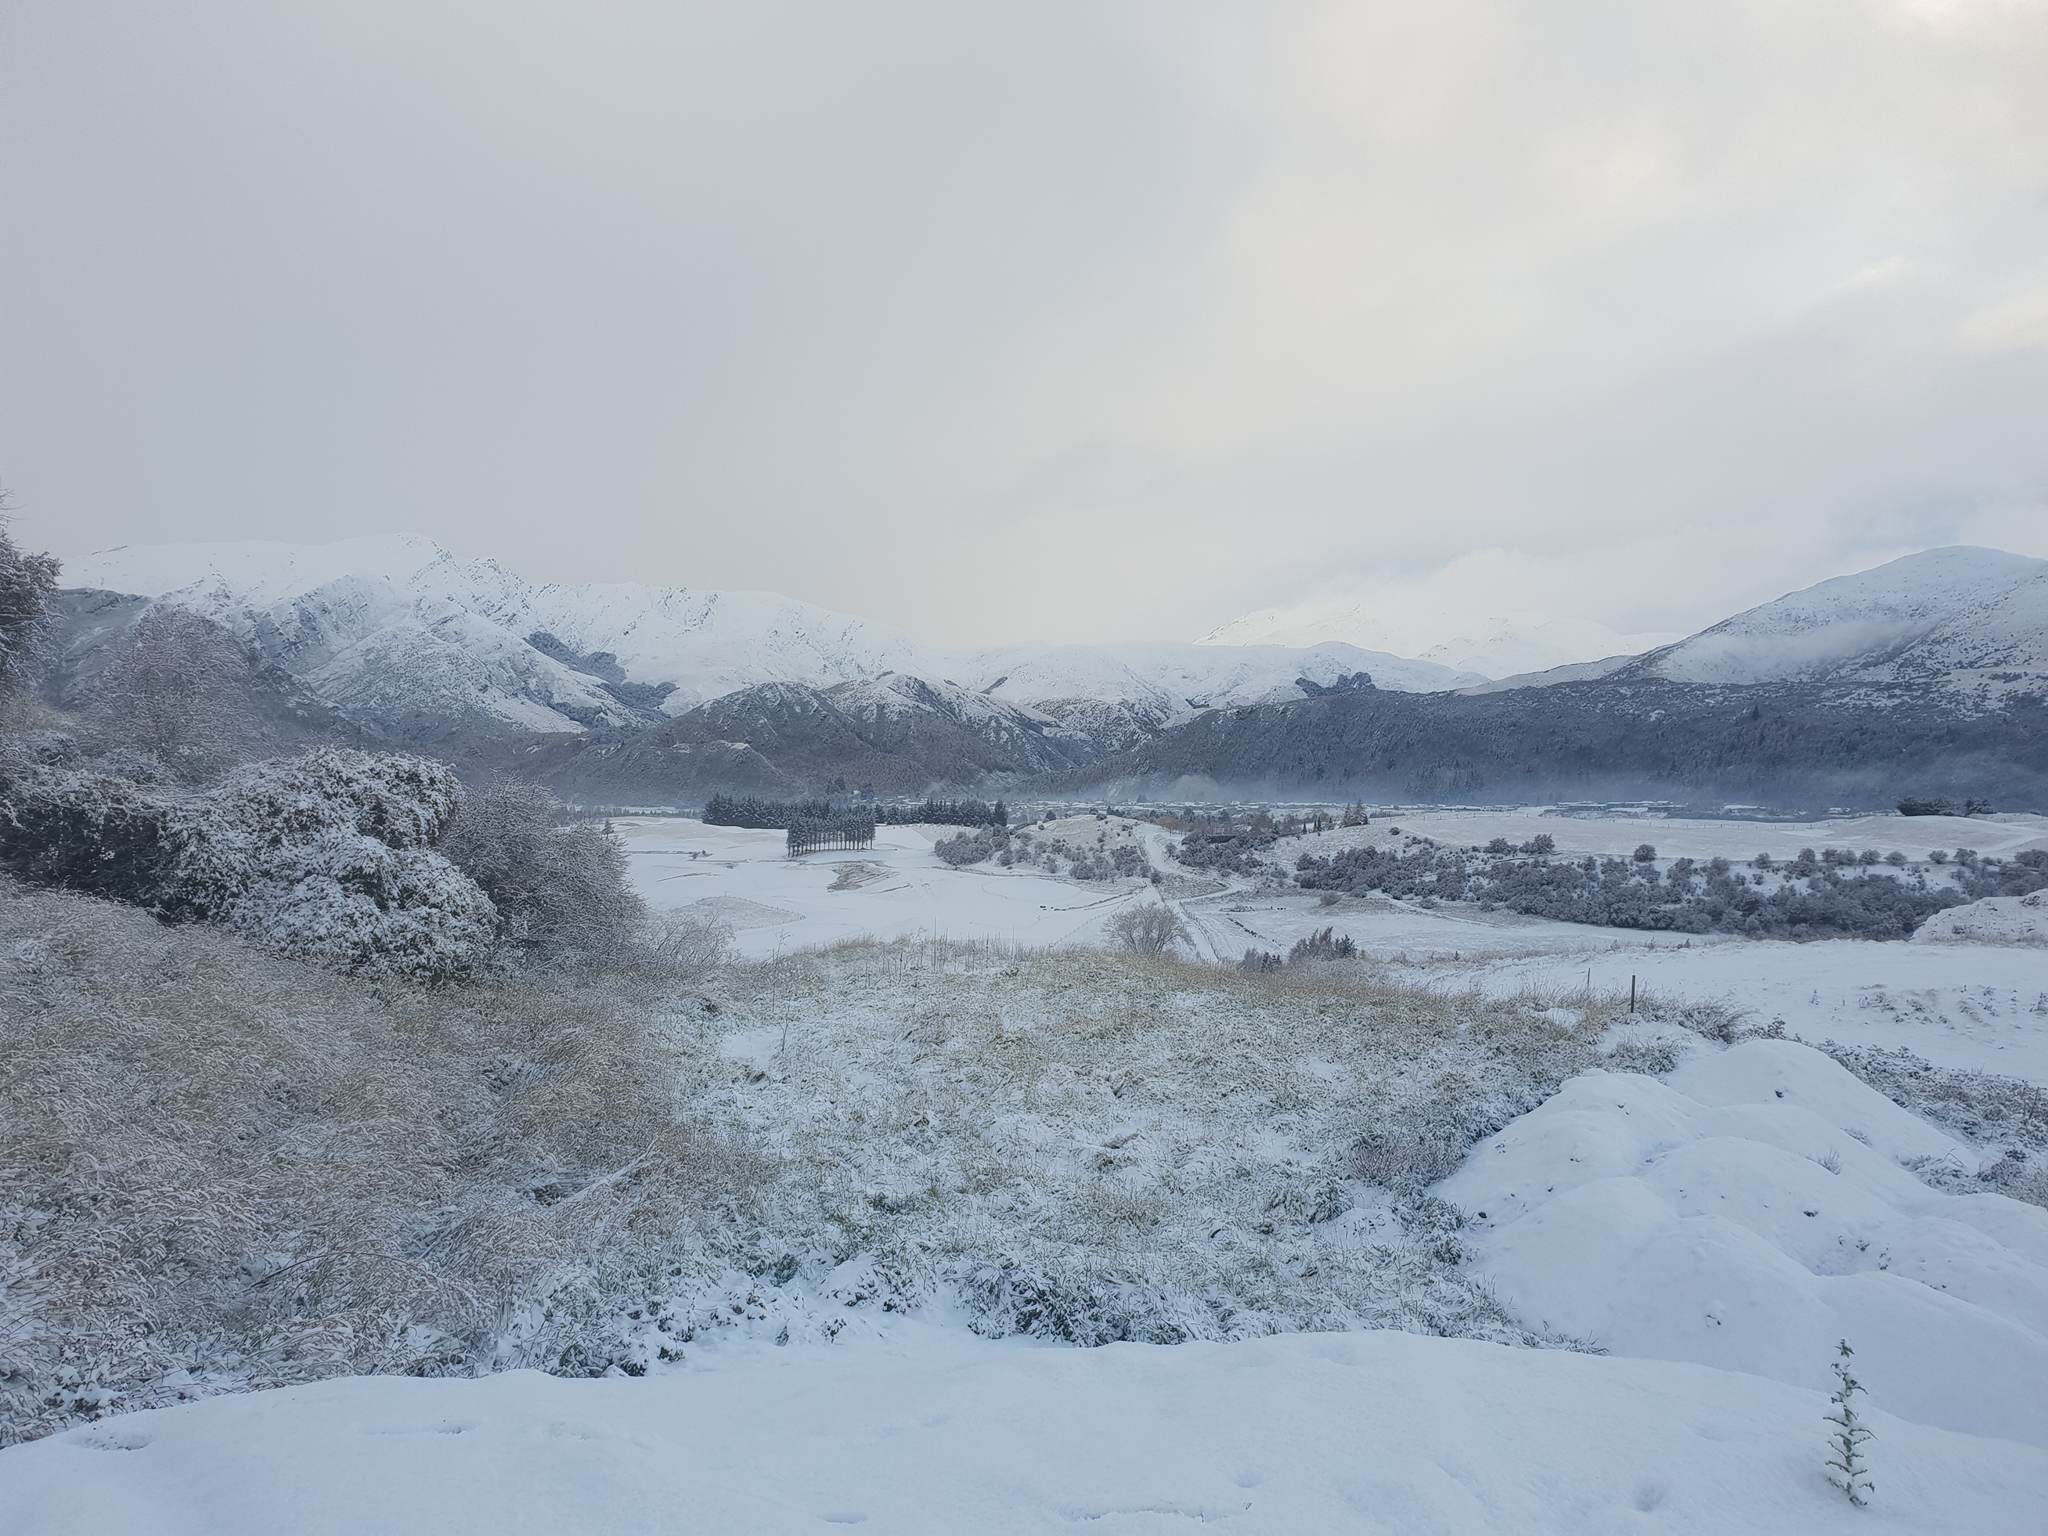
(1617, 835)
(1982, 1006)
(924, 1141)
(897, 889)
(927, 1432)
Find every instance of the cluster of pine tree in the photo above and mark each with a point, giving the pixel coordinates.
(850, 828)
(723, 810)
(946, 813)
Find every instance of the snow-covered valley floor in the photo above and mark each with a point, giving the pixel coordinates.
(932, 1432)
(1346, 1237)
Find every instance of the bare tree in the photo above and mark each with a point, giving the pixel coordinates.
(26, 582)
(1147, 930)
(174, 690)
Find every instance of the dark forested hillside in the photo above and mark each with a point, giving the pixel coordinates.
(785, 739)
(1861, 745)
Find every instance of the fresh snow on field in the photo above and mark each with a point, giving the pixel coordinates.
(1959, 1005)
(1993, 920)
(775, 903)
(1750, 1210)
(1191, 1136)
(1675, 837)
(929, 1431)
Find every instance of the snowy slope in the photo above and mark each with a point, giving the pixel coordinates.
(397, 628)
(1993, 920)
(1751, 1210)
(925, 1430)
(1496, 647)
(1958, 615)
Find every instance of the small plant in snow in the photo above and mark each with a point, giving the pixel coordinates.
(1847, 1468)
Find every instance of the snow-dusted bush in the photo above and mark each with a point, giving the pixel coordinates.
(679, 950)
(1323, 944)
(102, 833)
(349, 903)
(322, 857)
(400, 800)
(561, 892)
(965, 848)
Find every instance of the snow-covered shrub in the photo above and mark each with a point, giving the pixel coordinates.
(561, 892)
(400, 800)
(677, 951)
(965, 848)
(1323, 944)
(87, 831)
(322, 857)
(350, 903)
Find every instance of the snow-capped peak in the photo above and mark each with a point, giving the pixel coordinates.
(1957, 613)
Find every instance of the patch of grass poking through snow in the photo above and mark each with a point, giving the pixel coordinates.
(224, 1170)
(2006, 1116)
(1093, 1147)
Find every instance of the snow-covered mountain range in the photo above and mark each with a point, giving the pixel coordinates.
(1495, 647)
(1973, 622)
(662, 692)
(396, 627)
(1971, 619)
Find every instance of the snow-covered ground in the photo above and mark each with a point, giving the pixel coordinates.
(1978, 1005)
(1170, 1151)
(1968, 1004)
(1754, 1206)
(931, 1431)
(897, 889)
(1682, 837)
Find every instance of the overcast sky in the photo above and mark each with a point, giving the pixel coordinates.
(1040, 320)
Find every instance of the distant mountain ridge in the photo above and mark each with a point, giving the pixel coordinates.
(1969, 619)
(396, 628)
(661, 694)
(1972, 622)
(1926, 674)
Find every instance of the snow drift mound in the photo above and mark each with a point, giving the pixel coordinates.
(1994, 920)
(1751, 1211)
(929, 1431)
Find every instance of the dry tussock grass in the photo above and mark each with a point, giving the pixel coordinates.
(221, 1163)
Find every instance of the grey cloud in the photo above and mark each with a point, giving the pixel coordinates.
(1065, 321)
